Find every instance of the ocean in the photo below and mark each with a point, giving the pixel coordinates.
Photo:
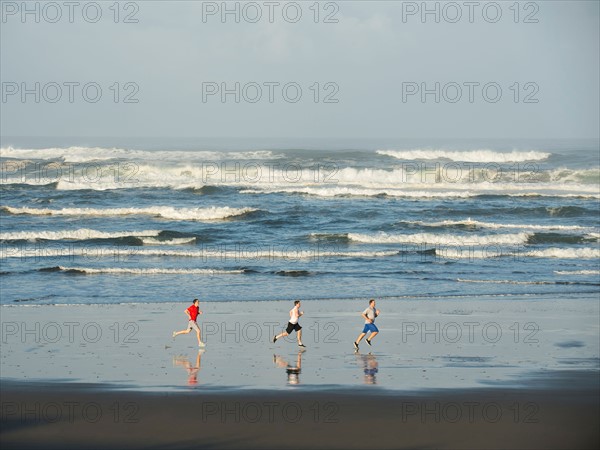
(104, 221)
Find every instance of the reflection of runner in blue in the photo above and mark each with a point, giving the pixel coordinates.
(369, 314)
(370, 367)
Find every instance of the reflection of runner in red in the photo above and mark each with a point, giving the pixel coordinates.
(192, 370)
(192, 313)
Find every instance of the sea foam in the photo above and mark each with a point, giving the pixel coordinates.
(165, 212)
(479, 156)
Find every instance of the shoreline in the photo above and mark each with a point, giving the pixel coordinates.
(423, 345)
(585, 295)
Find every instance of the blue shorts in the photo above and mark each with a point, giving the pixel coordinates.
(370, 327)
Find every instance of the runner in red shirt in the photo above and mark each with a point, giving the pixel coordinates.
(192, 313)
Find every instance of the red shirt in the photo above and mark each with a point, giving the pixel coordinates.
(193, 310)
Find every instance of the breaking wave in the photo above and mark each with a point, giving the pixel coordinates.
(479, 156)
(165, 212)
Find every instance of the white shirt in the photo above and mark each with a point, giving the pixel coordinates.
(294, 316)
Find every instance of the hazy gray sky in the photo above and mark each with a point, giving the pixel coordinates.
(373, 54)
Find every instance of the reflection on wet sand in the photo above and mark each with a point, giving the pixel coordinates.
(370, 367)
(292, 370)
(192, 370)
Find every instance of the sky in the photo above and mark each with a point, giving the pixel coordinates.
(343, 69)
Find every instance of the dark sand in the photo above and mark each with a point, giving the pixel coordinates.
(556, 410)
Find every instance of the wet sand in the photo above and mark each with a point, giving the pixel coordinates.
(453, 374)
(423, 344)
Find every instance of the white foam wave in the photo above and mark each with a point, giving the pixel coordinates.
(242, 254)
(571, 176)
(443, 252)
(80, 234)
(165, 212)
(405, 193)
(581, 195)
(441, 239)
(354, 192)
(431, 190)
(577, 272)
(496, 226)
(432, 180)
(480, 156)
(517, 253)
(23, 180)
(425, 176)
(462, 280)
(85, 154)
(250, 255)
(149, 271)
(174, 241)
(565, 253)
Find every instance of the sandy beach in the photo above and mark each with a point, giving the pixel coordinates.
(463, 374)
(553, 412)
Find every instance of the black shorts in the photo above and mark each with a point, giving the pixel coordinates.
(292, 326)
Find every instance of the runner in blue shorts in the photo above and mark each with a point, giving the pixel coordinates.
(369, 314)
